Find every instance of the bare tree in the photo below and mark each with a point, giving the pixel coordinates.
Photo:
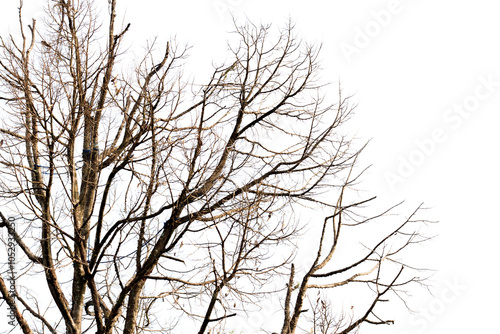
(148, 201)
(379, 267)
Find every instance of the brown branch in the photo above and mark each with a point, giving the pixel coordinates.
(5, 223)
(12, 304)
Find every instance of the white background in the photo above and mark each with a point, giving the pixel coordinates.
(416, 64)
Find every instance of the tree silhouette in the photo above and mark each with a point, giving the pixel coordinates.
(141, 194)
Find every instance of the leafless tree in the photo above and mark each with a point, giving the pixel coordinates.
(147, 201)
(379, 267)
